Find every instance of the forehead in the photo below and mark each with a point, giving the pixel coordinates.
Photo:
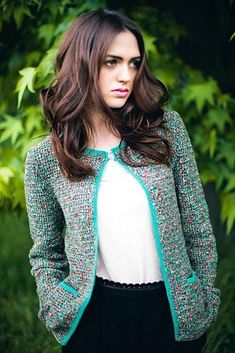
(124, 44)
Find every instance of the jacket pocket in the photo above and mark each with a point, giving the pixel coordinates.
(59, 305)
(192, 278)
(68, 288)
(191, 308)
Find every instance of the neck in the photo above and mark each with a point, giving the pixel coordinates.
(102, 134)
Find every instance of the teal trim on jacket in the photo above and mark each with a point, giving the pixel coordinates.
(64, 265)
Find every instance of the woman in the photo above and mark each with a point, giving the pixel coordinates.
(124, 255)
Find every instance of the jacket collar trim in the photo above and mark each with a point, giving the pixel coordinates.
(104, 152)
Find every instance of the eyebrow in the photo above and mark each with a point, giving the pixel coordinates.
(119, 57)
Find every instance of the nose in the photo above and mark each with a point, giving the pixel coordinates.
(124, 73)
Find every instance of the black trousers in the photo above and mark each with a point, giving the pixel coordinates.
(128, 320)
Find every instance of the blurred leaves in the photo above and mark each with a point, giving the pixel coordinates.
(232, 36)
(26, 81)
(200, 94)
(228, 205)
(11, 127)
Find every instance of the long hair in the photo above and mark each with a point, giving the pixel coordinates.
(69, 99)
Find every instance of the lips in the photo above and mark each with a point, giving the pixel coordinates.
(121, 90)
(120, 94)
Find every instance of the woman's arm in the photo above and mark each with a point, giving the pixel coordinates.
(197, 229)
(46, 221)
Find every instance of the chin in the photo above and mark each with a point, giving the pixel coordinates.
(116, 104)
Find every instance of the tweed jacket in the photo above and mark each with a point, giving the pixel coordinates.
(63, 225)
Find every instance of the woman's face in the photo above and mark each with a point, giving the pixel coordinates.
(119, 69)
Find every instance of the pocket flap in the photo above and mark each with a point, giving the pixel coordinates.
(68, 288)
(192, 278)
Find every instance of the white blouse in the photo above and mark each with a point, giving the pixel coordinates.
(126, 250)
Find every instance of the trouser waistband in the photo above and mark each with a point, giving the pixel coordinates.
(131, 286)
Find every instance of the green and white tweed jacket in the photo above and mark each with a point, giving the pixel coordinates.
(63, 225)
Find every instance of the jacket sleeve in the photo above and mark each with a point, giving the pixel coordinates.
(197, 229)
(47, 257)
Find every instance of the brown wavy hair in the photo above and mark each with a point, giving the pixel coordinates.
(74, 90)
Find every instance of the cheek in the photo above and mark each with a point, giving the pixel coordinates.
(104, 81)
(134, 75)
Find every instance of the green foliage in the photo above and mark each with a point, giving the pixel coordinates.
(20, 329)
(201, 94)
(26, 81)
(232, 36)
(29, 66)
(228, 202)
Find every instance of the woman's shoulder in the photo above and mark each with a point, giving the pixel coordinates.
(41, 152)
(172, 117)
(174, 123)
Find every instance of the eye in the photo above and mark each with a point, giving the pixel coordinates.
(136, 64)
(110, 62)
